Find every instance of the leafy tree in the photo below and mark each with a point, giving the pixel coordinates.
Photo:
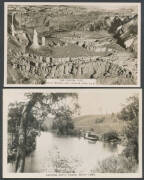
(63, 121)
(14, 116)
(14, 124)
(111, 136)
(29, 117)
(130, 113)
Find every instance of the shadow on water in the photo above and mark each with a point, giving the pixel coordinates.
(112, 147)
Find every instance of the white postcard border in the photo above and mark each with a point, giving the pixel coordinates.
(43, 175)
(69, 82)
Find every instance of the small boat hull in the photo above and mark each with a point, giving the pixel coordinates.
(91, 137)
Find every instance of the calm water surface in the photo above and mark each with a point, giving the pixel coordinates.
(67, 154)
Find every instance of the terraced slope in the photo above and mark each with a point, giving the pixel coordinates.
(79, 44)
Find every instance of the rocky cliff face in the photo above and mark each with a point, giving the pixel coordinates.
(123, 28)
(79, 33)
(43, 68)
(125, 31)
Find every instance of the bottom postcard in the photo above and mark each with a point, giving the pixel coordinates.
(72, 133)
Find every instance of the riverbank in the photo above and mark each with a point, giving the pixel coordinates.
(67, 154)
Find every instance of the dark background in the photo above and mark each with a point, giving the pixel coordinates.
(2, 58)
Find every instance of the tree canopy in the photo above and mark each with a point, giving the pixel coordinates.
(130, 113)
(25, 119)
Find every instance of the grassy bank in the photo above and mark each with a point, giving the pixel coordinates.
(99, 123)
(117, 164)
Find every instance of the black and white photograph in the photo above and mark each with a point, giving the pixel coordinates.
(72, 44)
(84, 133)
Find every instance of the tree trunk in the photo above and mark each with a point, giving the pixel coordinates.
(21, 150)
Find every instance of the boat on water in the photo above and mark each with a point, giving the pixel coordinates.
(91, 136)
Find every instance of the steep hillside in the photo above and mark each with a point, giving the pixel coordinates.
(79, 44)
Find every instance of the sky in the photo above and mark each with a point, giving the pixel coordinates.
(96, 101)
(102, 102)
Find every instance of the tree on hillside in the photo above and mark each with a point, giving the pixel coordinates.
(63, 122)
(130, 113)
(38, 105)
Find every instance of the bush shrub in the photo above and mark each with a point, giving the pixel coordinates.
(110, 136)
(117, 164)
(100, 120)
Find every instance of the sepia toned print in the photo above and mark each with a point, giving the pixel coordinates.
(72, 44)
(72, 133)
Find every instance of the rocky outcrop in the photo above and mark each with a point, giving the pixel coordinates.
(123, 29)
(126, 32)
(59, 68)
(35, 44)
(120, 34)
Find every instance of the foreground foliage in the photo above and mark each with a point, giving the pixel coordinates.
(117, 164)
(127, 161)
(25, 119)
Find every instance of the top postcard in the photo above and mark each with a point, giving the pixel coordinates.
(72, 44)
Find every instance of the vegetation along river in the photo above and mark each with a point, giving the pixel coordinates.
(66, 154)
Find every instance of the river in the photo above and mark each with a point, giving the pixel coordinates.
(67, 154)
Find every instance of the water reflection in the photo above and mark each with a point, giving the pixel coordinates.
(67, 154)
(112, 147)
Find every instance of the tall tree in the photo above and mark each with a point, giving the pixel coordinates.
(21, 151)
(130, 113)
(48, 104)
